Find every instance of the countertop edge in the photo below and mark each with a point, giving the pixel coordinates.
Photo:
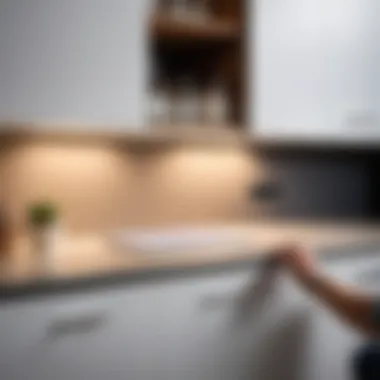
(13, 292)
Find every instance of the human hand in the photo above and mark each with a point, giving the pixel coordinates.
(298, 260)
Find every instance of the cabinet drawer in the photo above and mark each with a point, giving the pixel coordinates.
(37, 336)
(89, 336)
(22, 329)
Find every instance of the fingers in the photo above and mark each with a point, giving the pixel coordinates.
(287, 251)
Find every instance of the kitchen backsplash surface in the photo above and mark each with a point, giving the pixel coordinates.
(100, 187)
(323, 188)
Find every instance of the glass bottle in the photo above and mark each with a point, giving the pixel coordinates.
(160, 104)
(216, 104)
(188, 103)
(179, 9)
(199, 11)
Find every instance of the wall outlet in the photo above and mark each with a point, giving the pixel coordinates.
(266, 191)
(363, 120)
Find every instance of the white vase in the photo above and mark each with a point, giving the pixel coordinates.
(44, 241)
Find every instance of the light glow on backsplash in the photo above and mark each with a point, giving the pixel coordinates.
(100, 187)
(200, 184)
(86, 182)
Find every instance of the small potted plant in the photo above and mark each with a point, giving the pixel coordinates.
(43, 218)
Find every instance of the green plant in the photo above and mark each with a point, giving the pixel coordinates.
(42, 214)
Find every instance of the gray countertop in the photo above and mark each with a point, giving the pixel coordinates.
(90, 261)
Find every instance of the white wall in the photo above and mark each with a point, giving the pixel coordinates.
(317, 64)
(73, 60)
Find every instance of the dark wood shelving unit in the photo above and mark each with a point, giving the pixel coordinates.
(204, 50)
(165, 28)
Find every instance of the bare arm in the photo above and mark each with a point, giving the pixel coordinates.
(349, 303)
(356, 308)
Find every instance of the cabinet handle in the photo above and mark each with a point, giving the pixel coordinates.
(251, 297)
(76, 325)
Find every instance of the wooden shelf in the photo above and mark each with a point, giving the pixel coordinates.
(119, 136)
(167, 136)
(165, 28)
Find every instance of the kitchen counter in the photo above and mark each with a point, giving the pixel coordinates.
(90, 260)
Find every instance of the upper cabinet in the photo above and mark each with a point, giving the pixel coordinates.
(80, 62)
(314, 69)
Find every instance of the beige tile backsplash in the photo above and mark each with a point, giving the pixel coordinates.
(100, 187)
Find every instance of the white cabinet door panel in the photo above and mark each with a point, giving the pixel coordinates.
(316, 68)
(115, 334)
(74, 61)
(238, 325)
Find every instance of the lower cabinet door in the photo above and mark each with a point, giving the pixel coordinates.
(22, 328)
(239, 326)
(114, 335)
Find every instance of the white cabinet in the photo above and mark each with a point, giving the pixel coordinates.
(74, 62)
(210, 341)
(216, 326)
(115, 334)
(236, 324)
(315, 69)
